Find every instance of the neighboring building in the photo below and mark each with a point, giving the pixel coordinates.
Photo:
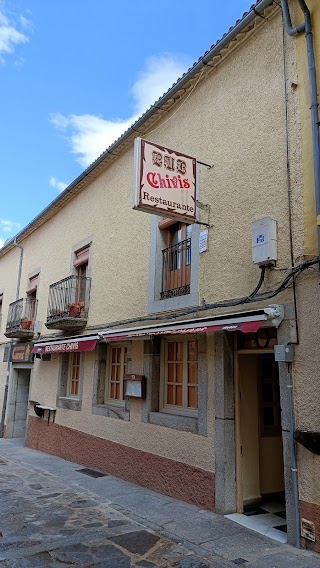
(107, 292)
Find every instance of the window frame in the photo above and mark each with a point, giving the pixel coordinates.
(64, 399)
(163, 406)
(72, 365)
(177, 265)
(81, 269)
(123, 346)
(157, 244)
(32, 292)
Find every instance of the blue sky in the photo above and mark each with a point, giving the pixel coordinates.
(74, 75)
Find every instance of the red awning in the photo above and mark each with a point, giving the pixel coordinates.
(79, 344)
(245, 324)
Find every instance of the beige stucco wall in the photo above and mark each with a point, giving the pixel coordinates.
(182, 446)
(235, 120)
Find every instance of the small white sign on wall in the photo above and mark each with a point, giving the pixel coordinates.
(203, 241)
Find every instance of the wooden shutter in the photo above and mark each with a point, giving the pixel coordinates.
(33, 284)
(167, 222)
(82, 257)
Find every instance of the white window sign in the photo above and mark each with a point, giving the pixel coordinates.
(164, 181)
(203, 241)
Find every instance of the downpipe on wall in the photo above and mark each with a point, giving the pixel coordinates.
(6, 386)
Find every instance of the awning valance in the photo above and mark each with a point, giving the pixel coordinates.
(67, 346)
(246, 324)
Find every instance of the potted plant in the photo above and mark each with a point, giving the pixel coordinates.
(25, 323)
(76, 309)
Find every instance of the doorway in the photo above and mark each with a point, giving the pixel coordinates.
(20, 403)
(260, 475)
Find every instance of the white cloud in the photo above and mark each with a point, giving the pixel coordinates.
(10, 36)
(90, 135)
(7, 230)
(158, 76)
(25, 22)
(7, 226)
(59, 185)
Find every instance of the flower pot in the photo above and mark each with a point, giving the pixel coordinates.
(25, 324)
(74, 311)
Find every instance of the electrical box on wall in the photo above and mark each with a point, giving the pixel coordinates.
(264, 241)
(284, 353)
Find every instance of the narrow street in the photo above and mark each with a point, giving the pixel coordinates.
(57, 514)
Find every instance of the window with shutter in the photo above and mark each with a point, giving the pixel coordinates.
(117, 368)
(33, 286)
(180, 374)
(32, 297)
(73, 375)
(81, 264)
(176, 258)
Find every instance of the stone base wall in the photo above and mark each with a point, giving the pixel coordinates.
(311, 512)
(169, 477)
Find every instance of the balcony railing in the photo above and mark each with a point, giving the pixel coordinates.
(68, 303)
(21, 318)
(176, 267)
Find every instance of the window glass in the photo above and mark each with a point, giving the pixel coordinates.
(181, 374)
(118, 361)
(74, 374)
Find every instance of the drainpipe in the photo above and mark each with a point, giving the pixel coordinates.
(307, 28)
(6, 387)
(19, 269)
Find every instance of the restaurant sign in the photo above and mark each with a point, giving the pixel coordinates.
(65, 346)
(21, 353)
(164, 181)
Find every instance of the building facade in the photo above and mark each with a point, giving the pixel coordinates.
(143, 345)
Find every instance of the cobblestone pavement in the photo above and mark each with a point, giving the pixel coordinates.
(54, 515)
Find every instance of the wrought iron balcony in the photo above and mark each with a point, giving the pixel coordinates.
(176, 267)
(68, 303)
(21, 318)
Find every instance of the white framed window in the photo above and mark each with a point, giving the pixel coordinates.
(73, 382)
(179, 375)
(117, 365)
